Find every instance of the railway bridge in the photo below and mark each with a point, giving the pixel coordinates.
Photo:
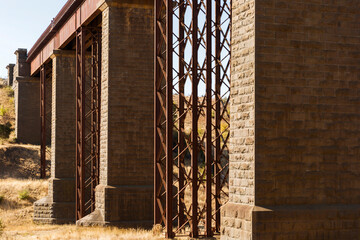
(231, 117)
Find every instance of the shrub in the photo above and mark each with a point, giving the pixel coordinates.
(10, 91)
(5, 130)
(14, 140)
(3, 111)
(24, 195)
(2, 226)
(157, 229)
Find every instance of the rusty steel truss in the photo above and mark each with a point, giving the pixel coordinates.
(191, 90)
(88, 90)
(45, 116)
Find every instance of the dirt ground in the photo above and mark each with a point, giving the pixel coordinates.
(20, 188)
(16, 212)
(20, 161)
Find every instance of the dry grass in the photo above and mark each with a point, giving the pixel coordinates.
(12, 208)
(52, 232)
(16, 215)
(7, 111)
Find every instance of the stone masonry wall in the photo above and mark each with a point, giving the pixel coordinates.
(63, 115)
(126, 168)
(306, 168)
(307, 102)
(27, 109)
(27, 101)
(10, 79)
(242, 122)
(59, 205)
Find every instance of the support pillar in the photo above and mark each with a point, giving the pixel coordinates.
(59, 205)
(10, 79)
(125, 194)
(294, 153)
(27, 101)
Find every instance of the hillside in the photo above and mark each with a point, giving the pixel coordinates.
(16, 160)
(20, 187)
(7, 115)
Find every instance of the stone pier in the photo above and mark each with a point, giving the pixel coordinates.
(125, 194)
(59, 205)
(10, 79)
(27, 101)
(295, 121)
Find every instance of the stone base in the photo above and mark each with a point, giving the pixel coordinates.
(96, 218)
(48, 212)
(122, 206)
(341, 222)
(63, 190)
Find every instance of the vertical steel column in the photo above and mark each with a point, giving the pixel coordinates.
(181, 135)
(99, 102)
(192, 213)
(43, 122)
(217, 112)
(88, 120)
(99, 49)
(194, 133)
(157, 118)
(95, 112)
(169, 118)
(80, 124)
(160, 114)
(208, 148)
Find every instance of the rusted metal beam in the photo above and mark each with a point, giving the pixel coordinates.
(195, 118)
(169, 118)
(158, 139)
(43, 122)
(208, 123)
(217, 111)
(181, 130)
(80, 125)
(95, 112)
(88, 118)
(62, 30)
(187, 46)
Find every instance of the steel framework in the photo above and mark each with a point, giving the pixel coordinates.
(191, 91)
(45, 116)
(88, 92)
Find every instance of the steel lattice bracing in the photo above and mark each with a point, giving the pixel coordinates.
(88, 79)
(191, 90)
(45, 116)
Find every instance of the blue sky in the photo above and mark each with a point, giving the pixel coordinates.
(21, 24)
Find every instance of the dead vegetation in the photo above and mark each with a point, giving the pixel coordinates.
(7, 115)
(16, 213)
(19, 189)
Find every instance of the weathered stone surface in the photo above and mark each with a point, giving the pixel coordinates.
(294, 121)
(125, 194)
(10, 79)
(27, 109)
(61, 198)
(27, 100)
